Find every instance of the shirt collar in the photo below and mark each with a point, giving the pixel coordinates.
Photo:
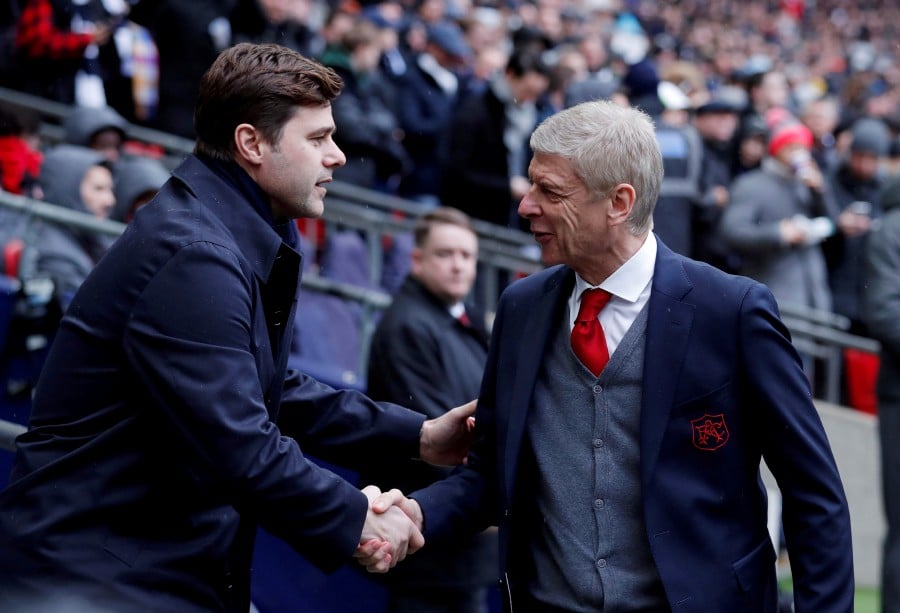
(630, 279)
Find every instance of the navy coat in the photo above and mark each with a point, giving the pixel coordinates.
(716, 350)
(165, 428)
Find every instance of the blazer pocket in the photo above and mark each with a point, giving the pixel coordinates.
(705, 402)
(756, 569)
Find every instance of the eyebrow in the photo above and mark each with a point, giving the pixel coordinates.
(323, 131)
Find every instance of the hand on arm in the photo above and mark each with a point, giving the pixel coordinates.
(445, 440)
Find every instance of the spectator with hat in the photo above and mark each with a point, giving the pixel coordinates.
(716, 121)
(777, 218)
(856, 184)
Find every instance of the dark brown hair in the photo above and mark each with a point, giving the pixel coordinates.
(261, 85)
(441, 215)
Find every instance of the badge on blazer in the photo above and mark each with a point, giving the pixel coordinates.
(709, 432)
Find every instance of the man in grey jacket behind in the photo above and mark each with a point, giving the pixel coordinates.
(882, 312)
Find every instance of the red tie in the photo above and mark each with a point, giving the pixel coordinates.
(464, 319)
(588, 340)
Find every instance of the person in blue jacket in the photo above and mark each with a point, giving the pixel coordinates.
(636, 486)
(165, 426)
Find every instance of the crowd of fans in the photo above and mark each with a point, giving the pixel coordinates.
(440, 97)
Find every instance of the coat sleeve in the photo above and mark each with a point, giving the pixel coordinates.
(190, 341)
(815, 514)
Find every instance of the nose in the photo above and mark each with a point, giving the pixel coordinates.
(528, 205)
(335, 158)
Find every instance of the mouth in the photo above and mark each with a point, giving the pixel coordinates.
(541, 237)
(322, 182)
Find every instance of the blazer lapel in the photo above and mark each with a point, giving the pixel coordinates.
(668, 329)
(539, 319)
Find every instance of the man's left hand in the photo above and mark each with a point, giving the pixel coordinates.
(445, 441)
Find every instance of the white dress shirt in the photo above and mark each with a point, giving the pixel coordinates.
(630, 288)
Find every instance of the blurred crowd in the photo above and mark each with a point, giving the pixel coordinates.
(440, 98)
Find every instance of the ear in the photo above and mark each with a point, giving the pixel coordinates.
(416, 260)
(622, 200)
(249, 144)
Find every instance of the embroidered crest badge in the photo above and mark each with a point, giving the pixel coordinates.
(709, 432)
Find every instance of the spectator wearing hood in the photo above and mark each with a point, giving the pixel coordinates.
(79, 179)
(137, 180)
(641, 85)
(98, 128)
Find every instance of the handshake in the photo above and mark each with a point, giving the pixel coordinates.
(393, 529)
(394, 522)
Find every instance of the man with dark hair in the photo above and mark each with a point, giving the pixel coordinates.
(430, 334)
(165, 427)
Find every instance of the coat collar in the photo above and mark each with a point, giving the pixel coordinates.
(254, 236)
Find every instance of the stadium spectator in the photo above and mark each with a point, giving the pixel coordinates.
(79, 179)
(373, 143)
(717, 122)
(59, 43)
(137, 181)
(426, 97)
(20, 161)
(856, 183)
(882, 317)
(98, 128)
(778, 217)
(487, 155)
(188, 37)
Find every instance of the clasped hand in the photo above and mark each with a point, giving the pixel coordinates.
(393, 526)
(393, 529)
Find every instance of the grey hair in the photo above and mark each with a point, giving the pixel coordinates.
(608, 144)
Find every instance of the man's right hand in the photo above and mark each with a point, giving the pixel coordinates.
(388, 534)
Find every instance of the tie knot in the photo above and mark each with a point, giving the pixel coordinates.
(592, 302)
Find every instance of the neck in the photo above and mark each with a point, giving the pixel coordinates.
(620, 251)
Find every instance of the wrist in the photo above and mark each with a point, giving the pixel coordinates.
(423, 438)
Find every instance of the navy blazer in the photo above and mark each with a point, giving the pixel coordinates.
(717, 355)
(159, 434)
